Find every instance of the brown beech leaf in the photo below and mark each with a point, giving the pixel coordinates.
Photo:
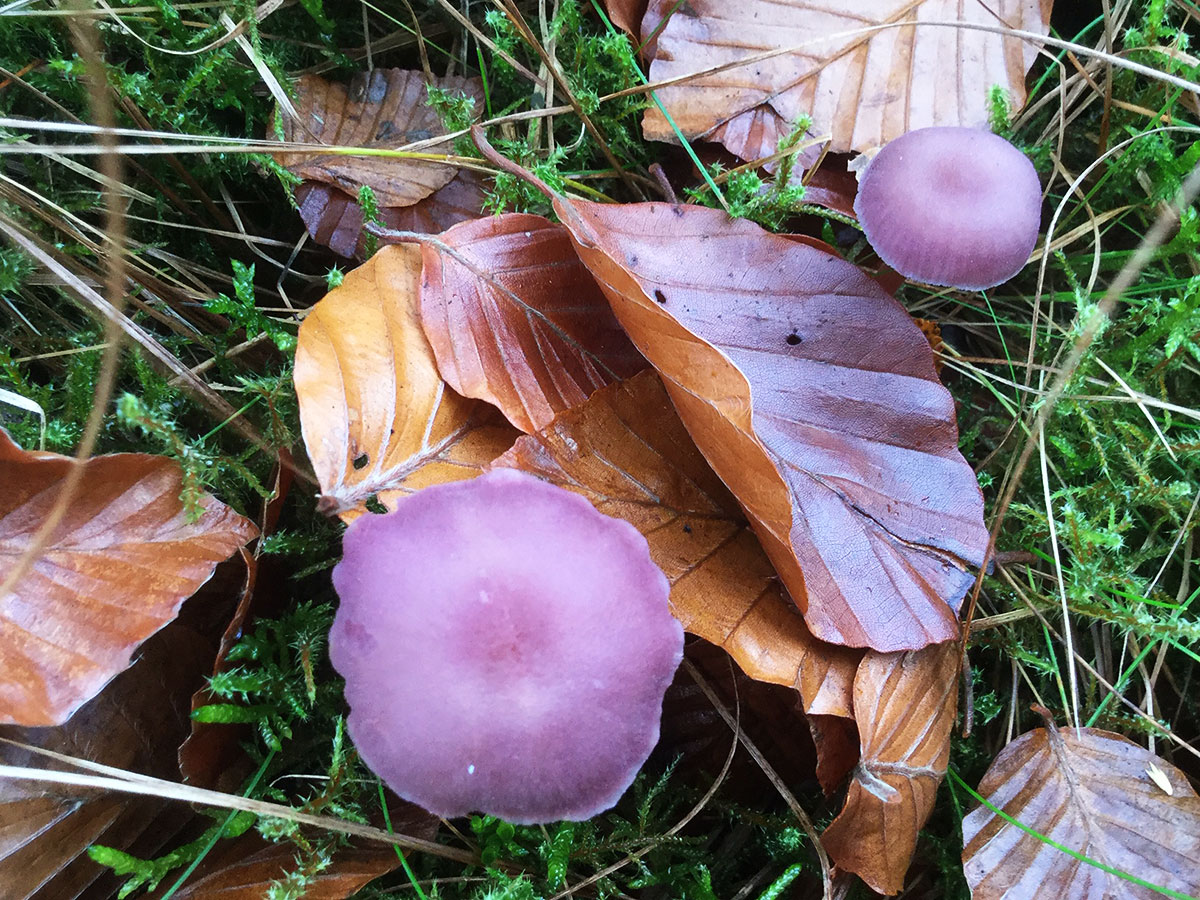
(626, 450)
(905, 705)
(862, 88)
(516, 319)
(135, 723)
(116, 570)
(813, 395)
(335, 220)
(379, 109)
(1093, 792)
(376, 416)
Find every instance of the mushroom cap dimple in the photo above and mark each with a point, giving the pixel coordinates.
(506, 648)
(951, 206)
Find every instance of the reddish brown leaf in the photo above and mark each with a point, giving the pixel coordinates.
(626, 14)
(515, 318)
(813, 395)
(115, 571)
(135, 723)
(863, 88)
(376, 416)
(905, 706)
(335, 220)
(626, 450)
(380, 109)
(1093, 792)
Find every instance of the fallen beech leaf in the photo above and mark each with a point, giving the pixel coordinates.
(626, 14)
(862, 88)
(813, 395)
(116, 570)
(515, 318)
(135, 723)
(376, 416)
(905, 705)
(380, 109)
(335, 219)
(1088, 791)
(626, 450)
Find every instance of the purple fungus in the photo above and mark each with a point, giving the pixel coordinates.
(958, 207)
(506, 648)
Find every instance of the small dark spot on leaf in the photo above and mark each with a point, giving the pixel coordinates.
(361, 460)
(793, 339)
(687, 529)
(385, 130)
(418, 134)
(660, 296)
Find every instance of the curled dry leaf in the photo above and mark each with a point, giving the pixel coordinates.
(135, 723)
(335, 220)
(116, 570)
(905, 705)
(813, 395)
(516, 319)
(376, 416)
(1089, 791)
(626, 450)
(383, 109)
(864, 87)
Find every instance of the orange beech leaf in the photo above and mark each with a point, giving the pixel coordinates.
(626, 450)
(116, 570)
(335, 220)
(376, 416)
(863, 87)
(1095, 793)
(380, 109)
(813, 395)
(515, 318)
(905, 705)
(135, 723)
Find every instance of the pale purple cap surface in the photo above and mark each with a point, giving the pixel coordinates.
(951, 206)
(506, 648)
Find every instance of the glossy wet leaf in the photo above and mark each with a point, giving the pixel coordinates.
(116, 570)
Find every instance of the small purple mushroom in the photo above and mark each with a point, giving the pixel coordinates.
(506, 648)
(951, 206)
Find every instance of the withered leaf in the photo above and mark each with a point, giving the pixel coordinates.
(116, 570)
(135, 723)
(864, 87)
(376, 416)
(379, 109)
(1091, 792)
(516, 319)
(813, 395)
(626, 450)
(905, 705)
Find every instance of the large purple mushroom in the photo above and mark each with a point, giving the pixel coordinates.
(506, 648)
(951, 206)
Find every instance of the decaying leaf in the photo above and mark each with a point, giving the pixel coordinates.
(905, 705)
(335, 220)
(116, 570)
(862, 86)
(383, 109)
(135, 723)
(813, 395)
(626, 450)
(515, 318)
(376, 416)
(1088, 791)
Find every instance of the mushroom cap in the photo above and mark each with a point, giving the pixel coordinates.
(951, 206)
(506, 648)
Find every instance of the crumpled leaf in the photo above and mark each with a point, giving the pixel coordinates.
(377, 418)
(116, 570)
(515, 318)
(1092, 792)
(862, 88)
(135, 723)
(813, 395)
(905, 704)
(626, 450)
(335, 220)
(379, 109)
